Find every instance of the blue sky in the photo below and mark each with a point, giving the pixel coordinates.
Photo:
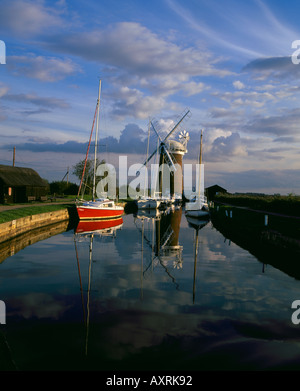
(228, 62)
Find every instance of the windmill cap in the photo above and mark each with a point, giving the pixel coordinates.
(176, 146)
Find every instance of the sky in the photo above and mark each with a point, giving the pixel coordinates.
(229, 62)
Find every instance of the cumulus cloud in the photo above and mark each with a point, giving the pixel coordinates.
(226, 147)
(140, 51)
(26, 18)
(133, 102)
(238, 85)
(277, 125)
(132, 140)
(240, 98)
(145, 69)
(221, 112)
(47, 69)
(47, 102)
(286, 140)
(275, 67)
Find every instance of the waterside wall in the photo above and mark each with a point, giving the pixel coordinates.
(19, 226)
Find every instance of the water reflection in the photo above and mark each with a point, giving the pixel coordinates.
(196, 224)
(269, 246)
(13, 246)
(163, 239)
(113, 286)
(109, 227)
(153, 291)
(89, 229)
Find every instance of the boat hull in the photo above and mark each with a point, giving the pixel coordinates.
(90, 213)
(97, 226)
(197, 213)
(197, 222)
(197, 208)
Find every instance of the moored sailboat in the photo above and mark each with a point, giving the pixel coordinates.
(198, 207)
(101, 208)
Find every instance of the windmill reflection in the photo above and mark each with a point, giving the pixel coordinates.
(162, 238)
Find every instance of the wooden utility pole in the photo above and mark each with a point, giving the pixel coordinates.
(14, 156)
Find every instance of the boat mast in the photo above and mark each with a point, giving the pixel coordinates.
(96, 142)
(200, 162)
(146, 183)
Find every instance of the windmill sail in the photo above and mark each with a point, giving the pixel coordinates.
(162, 142)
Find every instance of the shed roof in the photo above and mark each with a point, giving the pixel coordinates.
(20, 176)
(215, 187)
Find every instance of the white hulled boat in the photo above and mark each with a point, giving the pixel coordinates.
(198, 207)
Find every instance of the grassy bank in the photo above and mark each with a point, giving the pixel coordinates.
(289, 205)
(13, 214)
(247, 221)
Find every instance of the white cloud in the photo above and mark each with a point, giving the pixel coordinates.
(133, 102)
(26, 18)
(276, 125)
(246, 98)
(140, 52)
(226, 147)
(145, 68)
(238, 85)
(47, 102)
(47, 69)
(3, 90)
(278, 68)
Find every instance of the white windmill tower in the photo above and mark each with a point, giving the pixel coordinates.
(171, 152)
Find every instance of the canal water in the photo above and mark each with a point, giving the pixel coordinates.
(147, 293)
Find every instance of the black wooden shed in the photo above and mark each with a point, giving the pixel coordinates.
(212, 191)
(20, 184)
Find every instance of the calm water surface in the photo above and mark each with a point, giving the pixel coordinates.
(148, 296)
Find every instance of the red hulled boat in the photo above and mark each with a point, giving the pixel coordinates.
(97, 208)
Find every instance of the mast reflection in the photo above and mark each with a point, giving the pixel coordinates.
(89, 230)
(196, 224)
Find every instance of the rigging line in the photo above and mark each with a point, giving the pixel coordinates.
(87, 152)
(96, 142)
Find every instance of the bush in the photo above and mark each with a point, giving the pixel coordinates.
(62, 187)
(289, 204)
